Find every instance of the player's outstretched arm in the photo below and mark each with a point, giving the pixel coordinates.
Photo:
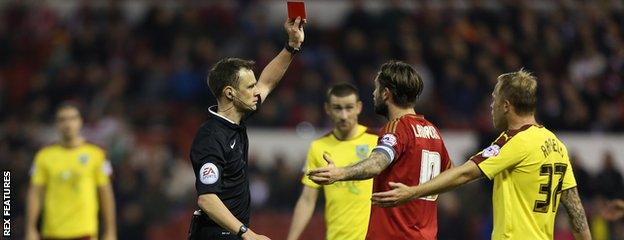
(274, 71)
(572, 203)
(446, 181)
(303, 212)
(107, 204)
(364, 169)
(218, 212)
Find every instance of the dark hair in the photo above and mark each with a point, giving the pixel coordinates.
(68, 105)
(404, 83)
(519, 88)
(342, 90)
(225, 73)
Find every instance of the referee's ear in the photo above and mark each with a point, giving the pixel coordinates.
(227, 92)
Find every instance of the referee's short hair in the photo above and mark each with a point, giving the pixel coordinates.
(342, 89)
(225, 73)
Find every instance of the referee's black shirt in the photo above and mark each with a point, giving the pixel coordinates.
(219, 157)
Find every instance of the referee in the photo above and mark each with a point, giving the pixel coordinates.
(220, 148)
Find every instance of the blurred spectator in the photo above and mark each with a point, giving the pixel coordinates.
(583, 179)
(609, 180)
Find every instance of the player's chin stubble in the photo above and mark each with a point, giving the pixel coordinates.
(381, 109)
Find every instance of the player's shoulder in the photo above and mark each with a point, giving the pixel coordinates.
(520, 138)
(528, 132)
(410, 120)
(392, 125)
(91, 146)
(325, 138)
(47, 149)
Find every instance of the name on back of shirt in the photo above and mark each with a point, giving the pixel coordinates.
(428, 132)
(550, 145)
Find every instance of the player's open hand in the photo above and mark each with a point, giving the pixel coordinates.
(399, 194)
(326, 175)
(614, 210)
(294, 28)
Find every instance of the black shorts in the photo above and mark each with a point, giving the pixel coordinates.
(203, 229)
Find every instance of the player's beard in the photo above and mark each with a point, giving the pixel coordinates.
(381, 108)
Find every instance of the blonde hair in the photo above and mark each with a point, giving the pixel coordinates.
(520, 89)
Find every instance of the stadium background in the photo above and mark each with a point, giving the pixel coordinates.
(138, 69)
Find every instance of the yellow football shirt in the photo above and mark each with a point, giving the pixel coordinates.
(70, 177)
(347, 204)
(530, 167)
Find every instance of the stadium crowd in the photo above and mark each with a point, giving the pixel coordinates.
(141, 82)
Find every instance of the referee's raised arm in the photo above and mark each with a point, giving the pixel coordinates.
(274, 71)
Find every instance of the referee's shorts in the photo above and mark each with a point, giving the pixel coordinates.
(202, 229)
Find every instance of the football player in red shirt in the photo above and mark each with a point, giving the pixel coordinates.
(410, 150)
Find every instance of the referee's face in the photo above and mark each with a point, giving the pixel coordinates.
(343, 111)
(69, 122)
(245, 96)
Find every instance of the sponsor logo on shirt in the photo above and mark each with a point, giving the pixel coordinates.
(361, 151)
(83, 158)
(389, 139)
(209, 173)
(491, 151)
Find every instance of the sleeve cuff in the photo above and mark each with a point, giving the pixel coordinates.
(568, 187)
(386, 150)
(310, 184)
(481, 169)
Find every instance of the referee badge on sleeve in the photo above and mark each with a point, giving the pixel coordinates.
(209, 173)
(491, 151)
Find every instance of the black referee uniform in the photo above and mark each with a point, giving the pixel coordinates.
(219, 156)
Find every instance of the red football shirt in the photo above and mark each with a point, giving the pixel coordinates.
(418, 154)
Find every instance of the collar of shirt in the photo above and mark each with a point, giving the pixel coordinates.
(222, 119)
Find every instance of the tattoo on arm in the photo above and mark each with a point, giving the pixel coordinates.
(367, 168)
(572, 203)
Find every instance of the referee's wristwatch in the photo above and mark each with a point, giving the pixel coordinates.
(292, 50)
(242, 230)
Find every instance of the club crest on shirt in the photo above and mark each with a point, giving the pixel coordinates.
(361, 151)
(83, 158)
(209, 173)
(491, 151)
(389, 139)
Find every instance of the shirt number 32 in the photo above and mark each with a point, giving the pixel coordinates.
(546, 189)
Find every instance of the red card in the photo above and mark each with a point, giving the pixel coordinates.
(296, 9)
